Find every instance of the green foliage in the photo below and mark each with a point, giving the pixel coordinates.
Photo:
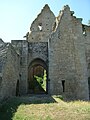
(59, 96)
(41, 80)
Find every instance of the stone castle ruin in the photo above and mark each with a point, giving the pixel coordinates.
(56, 53)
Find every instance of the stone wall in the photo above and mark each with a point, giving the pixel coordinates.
(10, 73)
(29, 52)
(67, 62)
(37, 50)
(41, 27)
(37, 55)
(21, 47)
(60, 44)
(87, 46)
(3, 50)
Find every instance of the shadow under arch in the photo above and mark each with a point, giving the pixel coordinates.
(38, 76)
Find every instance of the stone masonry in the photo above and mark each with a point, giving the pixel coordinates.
(61, 45)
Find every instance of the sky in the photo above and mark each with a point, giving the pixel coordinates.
(16, 16)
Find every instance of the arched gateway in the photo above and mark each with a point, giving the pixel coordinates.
(37, 77)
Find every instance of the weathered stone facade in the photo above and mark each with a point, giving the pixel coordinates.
(61, 45)
(9, 71)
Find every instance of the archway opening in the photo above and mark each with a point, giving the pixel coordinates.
(37, 77)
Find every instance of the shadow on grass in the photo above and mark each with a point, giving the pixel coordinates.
(9, 107)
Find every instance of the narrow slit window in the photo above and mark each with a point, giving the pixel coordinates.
(63, 85)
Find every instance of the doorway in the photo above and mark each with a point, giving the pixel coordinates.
(37, 77)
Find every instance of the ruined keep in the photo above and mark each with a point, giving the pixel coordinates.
(56, 49)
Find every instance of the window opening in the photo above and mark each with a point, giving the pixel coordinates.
(63, 85)
(83, 30)
(40, 26)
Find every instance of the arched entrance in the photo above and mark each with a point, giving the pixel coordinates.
(37, 77)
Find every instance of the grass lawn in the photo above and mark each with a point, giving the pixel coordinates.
(44, 108)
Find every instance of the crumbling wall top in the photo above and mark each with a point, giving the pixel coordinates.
(44, 20)
(87, 27)
(65, 11)
(1, 42)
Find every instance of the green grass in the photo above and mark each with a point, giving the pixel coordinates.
(44, 108)
(42, 80)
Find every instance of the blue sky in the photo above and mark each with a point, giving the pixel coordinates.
(16, 16)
